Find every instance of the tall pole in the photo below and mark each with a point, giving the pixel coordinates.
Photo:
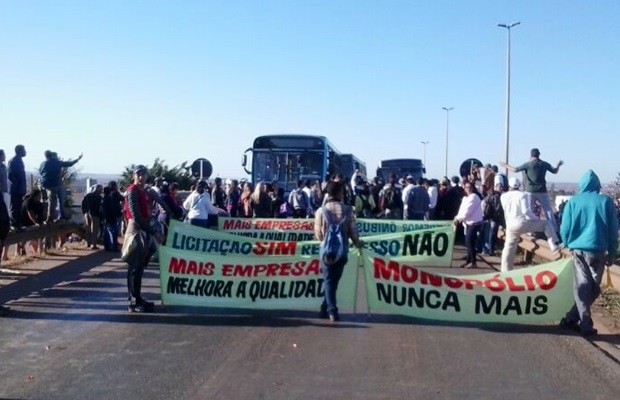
(424, 143)
(507, 147)
(448, 109)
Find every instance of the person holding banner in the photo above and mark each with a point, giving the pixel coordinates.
(334, 214)
(590, 230)
(139, 241)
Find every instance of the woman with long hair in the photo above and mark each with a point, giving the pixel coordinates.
(261, 201)
(246, 209)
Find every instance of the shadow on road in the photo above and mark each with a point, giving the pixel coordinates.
(68, 270)
(66, 293)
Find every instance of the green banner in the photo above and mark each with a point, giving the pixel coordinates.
(427, 247)
(236, 281)
(536, 295)
(303, 229)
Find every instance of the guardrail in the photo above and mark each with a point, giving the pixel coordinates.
(40, 232)
(539, 247)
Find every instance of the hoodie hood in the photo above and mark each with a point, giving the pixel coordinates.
(589, 182)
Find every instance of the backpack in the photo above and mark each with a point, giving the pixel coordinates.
(391, 199)
(334, 246)
(489, 211)
(366, 211)
(285, 210)
(301, 199)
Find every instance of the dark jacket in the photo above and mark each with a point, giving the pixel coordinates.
(92, 204)
(17, 175)
(51, 171)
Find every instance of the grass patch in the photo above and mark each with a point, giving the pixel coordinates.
(610, 299)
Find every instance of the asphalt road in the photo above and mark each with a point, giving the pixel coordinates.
(69, 337)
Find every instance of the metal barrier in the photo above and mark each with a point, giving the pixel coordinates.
(40, 232)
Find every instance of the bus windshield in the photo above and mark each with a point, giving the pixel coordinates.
(287, 167)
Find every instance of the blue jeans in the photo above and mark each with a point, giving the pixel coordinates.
(471, 237)
(55, 198)
(545, 204)
(491, 236)
(110, 241)
(483, 233)
(588, 269)
(331, 277)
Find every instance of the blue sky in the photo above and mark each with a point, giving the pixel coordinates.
(128, 81)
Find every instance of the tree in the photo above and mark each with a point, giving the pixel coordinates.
(179, 173)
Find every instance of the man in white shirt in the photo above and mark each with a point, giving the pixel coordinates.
(433, 194)
(520, 219)
(409, 185)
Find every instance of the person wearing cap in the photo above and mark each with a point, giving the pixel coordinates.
(139, 243)
(590, 230)
(198, 205)
(535, 171)
(521, 219)
(51, 181)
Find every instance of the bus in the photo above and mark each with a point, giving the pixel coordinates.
(287, 158)
(350, 163)
(401, 167)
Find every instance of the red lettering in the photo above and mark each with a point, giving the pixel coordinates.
(177, 266)
(546, 280)
(434, 280)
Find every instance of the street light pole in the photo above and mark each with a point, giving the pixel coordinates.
(447, 132)
(424, 143)
(508, 28)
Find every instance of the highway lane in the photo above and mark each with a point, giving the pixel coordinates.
(69, 337)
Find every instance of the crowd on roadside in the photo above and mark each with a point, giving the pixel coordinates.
(40, 206)
(480, 202)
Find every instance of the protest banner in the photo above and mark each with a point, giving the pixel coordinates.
(303, 229)
(536, 295)
(235, 281)
(426, 247)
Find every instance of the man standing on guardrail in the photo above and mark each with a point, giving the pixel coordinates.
(590, 230)
(535, 184)
(51, 181)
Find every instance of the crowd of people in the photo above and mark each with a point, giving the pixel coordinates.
(478, 204)
(20, 208)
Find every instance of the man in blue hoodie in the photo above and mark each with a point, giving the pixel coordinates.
(590, 230)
